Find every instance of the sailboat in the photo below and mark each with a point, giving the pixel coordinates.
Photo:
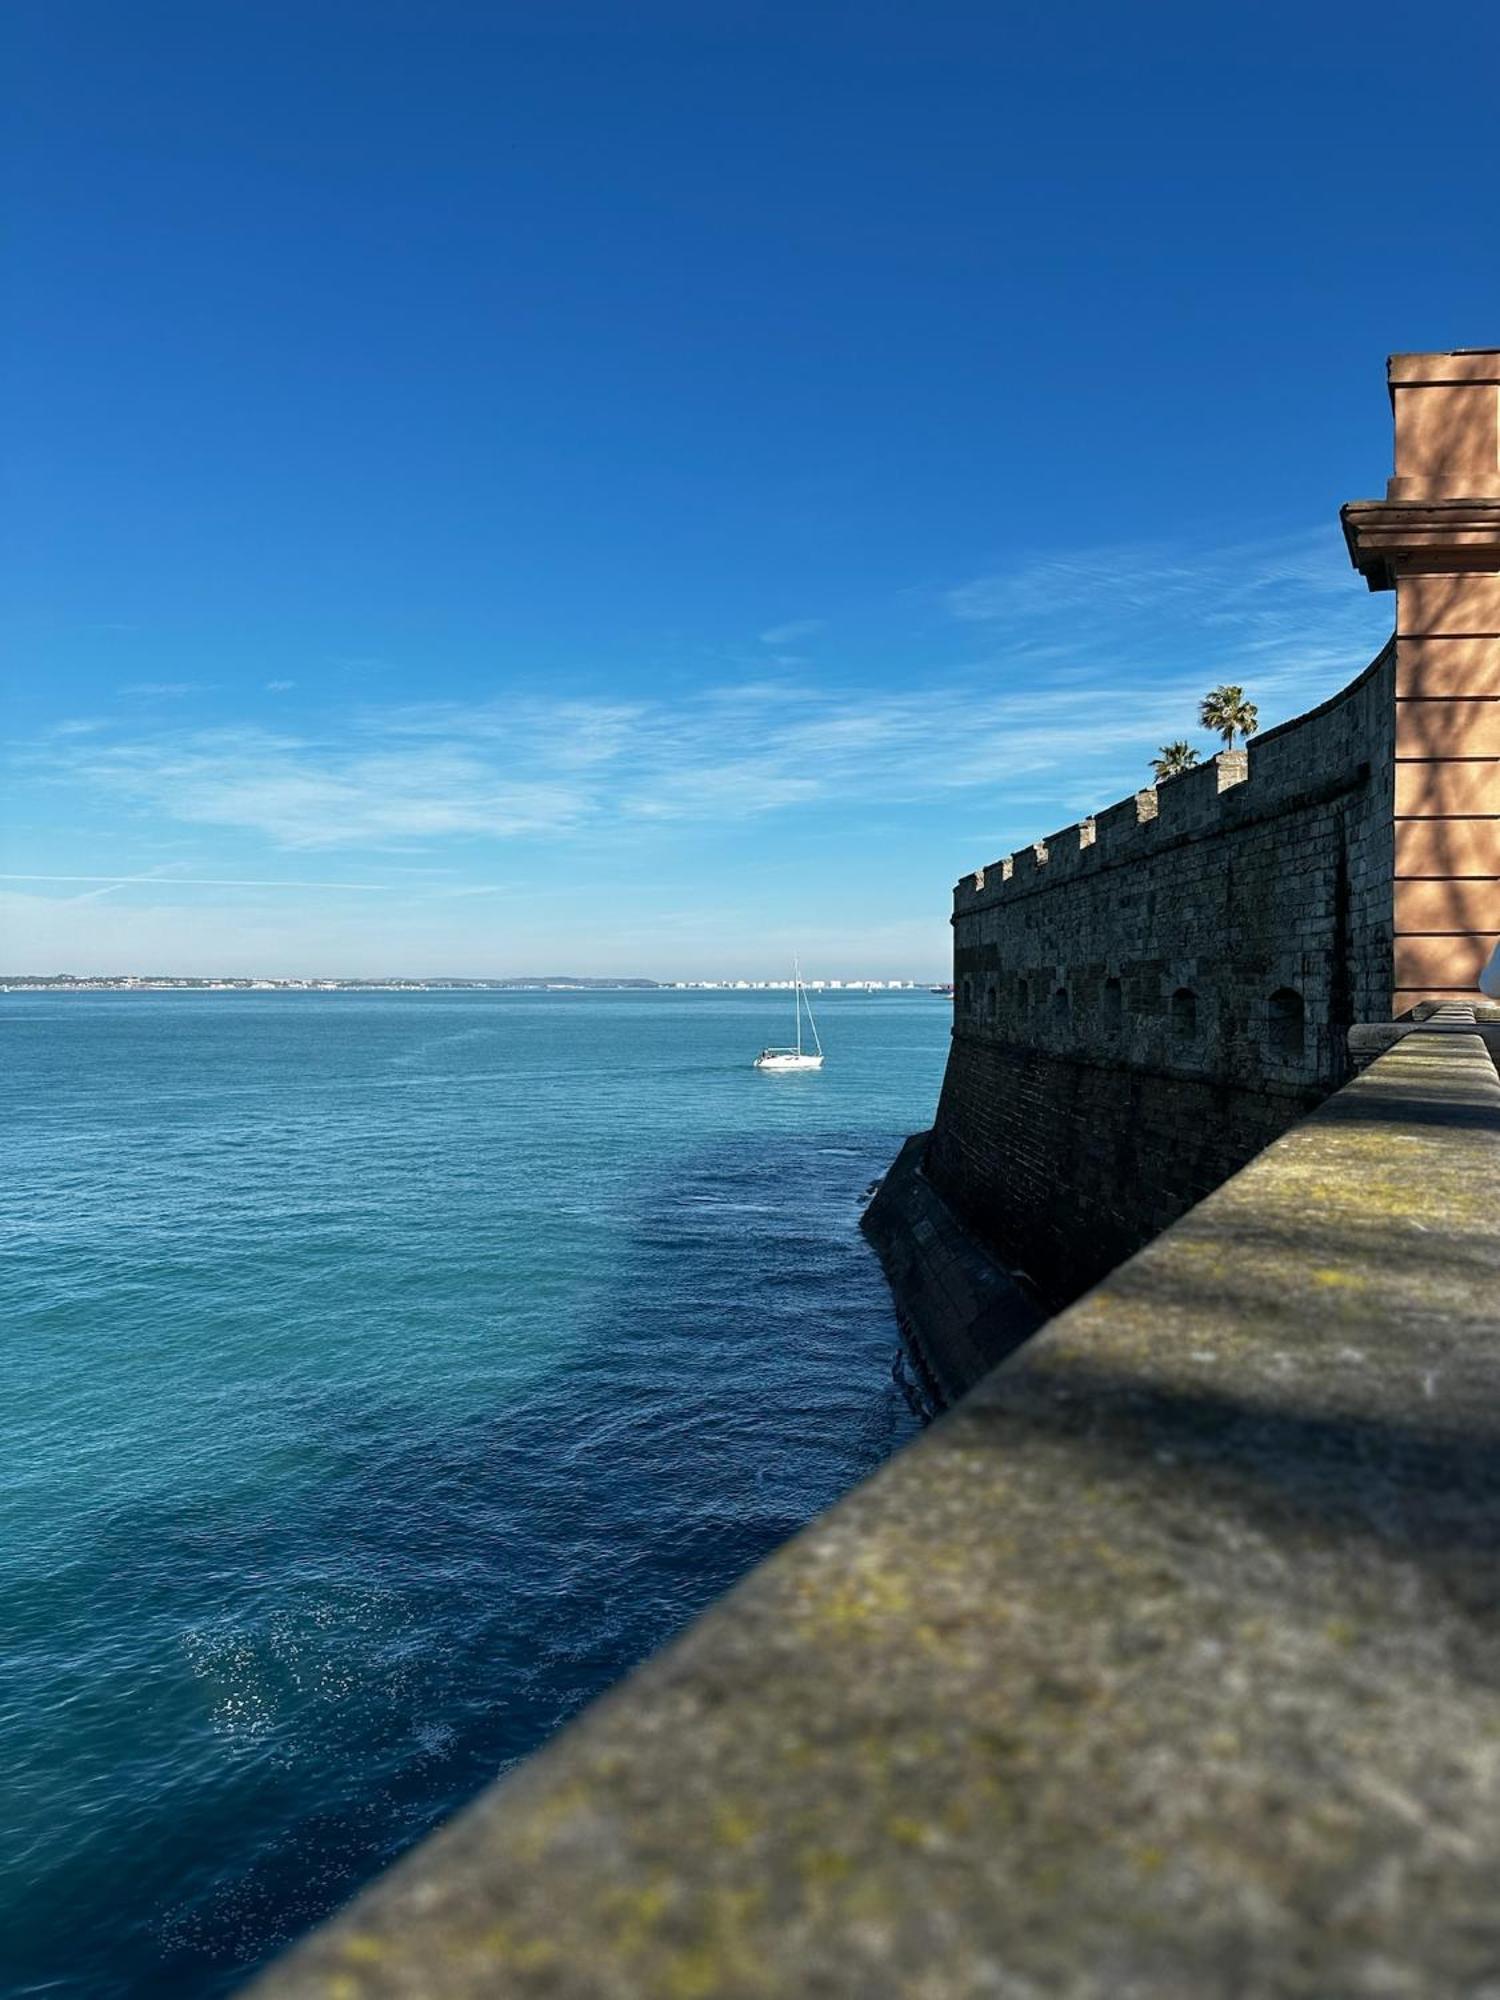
(799, 1057)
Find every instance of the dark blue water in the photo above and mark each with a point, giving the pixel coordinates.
(384, 1377)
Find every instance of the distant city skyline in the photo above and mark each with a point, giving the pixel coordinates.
(670, 487)
(397, 982)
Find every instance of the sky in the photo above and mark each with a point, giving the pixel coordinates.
(648, 488)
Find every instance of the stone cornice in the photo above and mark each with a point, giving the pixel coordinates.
(1441, 534)
(1460, 364)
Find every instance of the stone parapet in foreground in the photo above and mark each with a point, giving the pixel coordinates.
(1168, 1664)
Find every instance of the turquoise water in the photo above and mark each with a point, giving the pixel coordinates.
(385, 1376)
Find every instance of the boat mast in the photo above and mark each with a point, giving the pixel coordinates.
(797, 999)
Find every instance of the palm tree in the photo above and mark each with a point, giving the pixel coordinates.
(1227, 713)
(1172, 759)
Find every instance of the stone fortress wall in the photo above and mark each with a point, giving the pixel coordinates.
(1146, 1000)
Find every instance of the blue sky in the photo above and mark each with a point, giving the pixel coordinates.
(643, 488)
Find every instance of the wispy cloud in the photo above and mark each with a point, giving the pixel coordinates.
(279, 687)
(305, 792)
(1291, 597)
(751, 693)
(1089, 660)
(168, 878)
(163, 690)
(793, 629)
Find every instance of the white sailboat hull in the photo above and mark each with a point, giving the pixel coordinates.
(799, 1057)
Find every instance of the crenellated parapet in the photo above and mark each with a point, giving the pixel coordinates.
(1175, 932)
(1427, 853)
(1129, 830)
(1145, 998)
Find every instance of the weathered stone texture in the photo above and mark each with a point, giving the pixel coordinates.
(961, 1313)
(1145, 1002)
(1166, 1666)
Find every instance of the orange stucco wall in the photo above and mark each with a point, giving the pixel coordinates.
(1436, 539)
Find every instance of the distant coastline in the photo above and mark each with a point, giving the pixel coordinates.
(181, 983)
(67, 982)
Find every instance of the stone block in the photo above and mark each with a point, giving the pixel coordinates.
(1446, 728)
(1448, 847)
(1120, 827)
(1466, 904)
(1447, 789)
(1459, 364)
(1442, 965)
(1444, 666)
(1189, 798)
(1462, 604)
(1446, 440)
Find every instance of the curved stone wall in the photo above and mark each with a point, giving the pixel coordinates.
(1145, 1000)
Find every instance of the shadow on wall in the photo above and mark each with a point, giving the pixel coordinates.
(1426, 1493)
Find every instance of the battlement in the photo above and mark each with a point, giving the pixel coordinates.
(1146, 998)
(1232, 788)
(1435, 540)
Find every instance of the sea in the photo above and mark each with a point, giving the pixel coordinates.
(385, 1375)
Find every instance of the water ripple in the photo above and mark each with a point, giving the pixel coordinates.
(389, 1375)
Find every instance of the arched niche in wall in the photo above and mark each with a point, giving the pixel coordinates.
(1286, 1023)
(1112, 1004)
(1184, 1015)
